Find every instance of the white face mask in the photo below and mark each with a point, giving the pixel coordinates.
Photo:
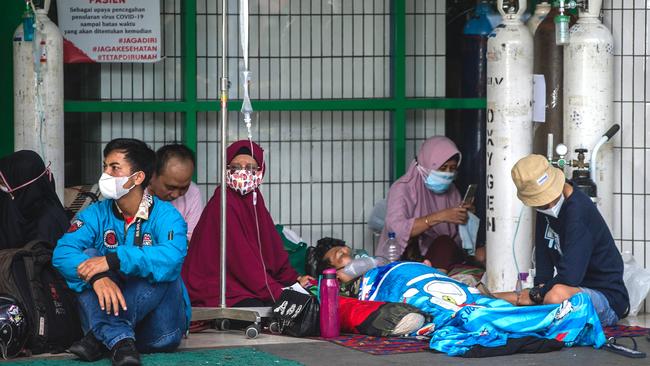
(555, 210)
(113, 187)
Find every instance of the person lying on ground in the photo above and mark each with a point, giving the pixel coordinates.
(463, 318)
(461, 312)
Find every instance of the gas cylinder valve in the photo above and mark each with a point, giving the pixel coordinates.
(580, 163)
(561, 150)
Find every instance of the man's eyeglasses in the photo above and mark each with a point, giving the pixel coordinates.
(252, 168)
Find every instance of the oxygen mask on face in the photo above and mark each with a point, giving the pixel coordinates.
(359, 266)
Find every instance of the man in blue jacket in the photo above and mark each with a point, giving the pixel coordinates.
(123, 256)
(572, 239)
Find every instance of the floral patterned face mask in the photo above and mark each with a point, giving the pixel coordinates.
(243, 181)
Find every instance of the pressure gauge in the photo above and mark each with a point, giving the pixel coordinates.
(561, 149)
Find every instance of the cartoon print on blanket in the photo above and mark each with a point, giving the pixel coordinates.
(463, 317)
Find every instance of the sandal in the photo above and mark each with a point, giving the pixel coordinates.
(611, 346)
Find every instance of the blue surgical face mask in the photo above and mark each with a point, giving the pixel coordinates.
(437, 181)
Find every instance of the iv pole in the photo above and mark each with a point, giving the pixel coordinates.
(224, 132)
(221, 315)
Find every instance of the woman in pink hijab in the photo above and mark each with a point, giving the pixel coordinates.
(424, 208)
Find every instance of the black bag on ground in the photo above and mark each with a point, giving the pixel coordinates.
(52, 312)
(297, 314)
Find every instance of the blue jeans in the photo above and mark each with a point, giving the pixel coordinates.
(606, 314)
(155, 315)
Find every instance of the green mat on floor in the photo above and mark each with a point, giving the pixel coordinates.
(213, 357)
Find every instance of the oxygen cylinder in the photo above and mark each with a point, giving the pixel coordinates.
(472, 139)
(508, 138)
(541, 10)
(38, 94)
(549, 62)
(588, 98)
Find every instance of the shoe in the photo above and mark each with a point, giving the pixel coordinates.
(88, 348)
(409, 324)
(124, 353)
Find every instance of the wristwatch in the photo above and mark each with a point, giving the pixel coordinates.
(535, 295)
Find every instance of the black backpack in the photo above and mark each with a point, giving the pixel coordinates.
(52, 312)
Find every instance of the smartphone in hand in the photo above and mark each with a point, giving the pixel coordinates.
(470, 193)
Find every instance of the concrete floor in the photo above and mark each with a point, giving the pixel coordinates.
(313, 352)
(329, 354)
(317, 353)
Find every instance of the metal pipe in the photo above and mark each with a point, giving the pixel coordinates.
(224, 130)
(593, 164)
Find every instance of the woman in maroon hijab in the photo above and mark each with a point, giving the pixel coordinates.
(257, 266)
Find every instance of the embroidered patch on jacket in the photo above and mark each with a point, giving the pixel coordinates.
(110, 240)
(76, 225)
(146, 239)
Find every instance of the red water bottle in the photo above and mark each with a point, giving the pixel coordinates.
(329, 305)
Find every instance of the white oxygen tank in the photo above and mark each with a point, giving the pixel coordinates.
(588, 99)
(541, 10)
(509, 137)
(38, 94)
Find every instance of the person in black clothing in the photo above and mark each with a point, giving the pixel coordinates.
(572, 238)
(29, 206)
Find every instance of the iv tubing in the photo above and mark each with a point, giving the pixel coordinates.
(514, 255)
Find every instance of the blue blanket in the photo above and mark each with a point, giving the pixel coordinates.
(462, 317)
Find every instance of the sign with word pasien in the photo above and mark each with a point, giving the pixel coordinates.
(110, 30)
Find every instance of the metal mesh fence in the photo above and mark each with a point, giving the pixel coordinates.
(299, 49)
(629, 22)
(425, 48)
(325, 169)
(422, 124)
(97, 129)
(150, 81)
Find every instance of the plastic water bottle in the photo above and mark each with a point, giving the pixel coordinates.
(330, 324)
(393, 249)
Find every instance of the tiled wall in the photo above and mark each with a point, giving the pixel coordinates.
(629, 21)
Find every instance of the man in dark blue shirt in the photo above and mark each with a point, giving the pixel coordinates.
(574, 249)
